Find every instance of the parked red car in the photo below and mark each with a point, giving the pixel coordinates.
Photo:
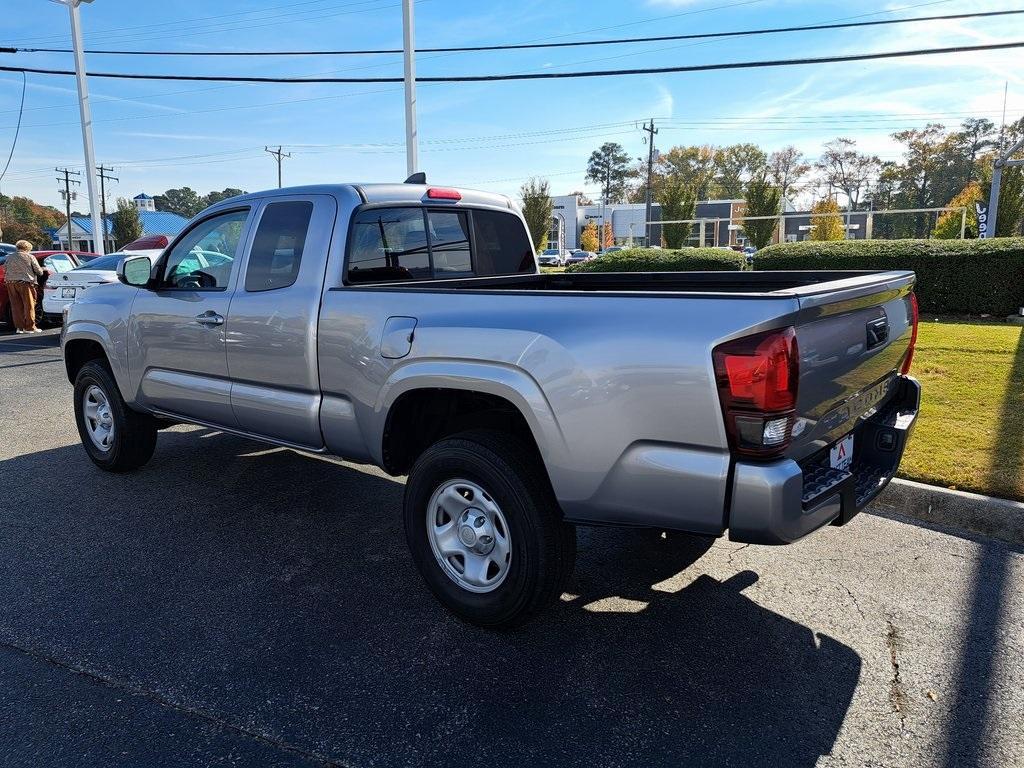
(51, 261)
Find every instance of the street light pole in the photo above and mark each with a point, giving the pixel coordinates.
(409, 56)
(1002, 161)
(98, 225)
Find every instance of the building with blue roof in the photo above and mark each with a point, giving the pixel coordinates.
(153, 223)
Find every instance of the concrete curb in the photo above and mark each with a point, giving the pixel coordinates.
(985, 515)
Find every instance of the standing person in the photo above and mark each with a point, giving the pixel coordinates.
(21, 279)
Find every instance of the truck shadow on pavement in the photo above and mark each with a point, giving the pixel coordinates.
(272, 592)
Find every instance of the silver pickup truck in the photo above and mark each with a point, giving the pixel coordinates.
(407, 326)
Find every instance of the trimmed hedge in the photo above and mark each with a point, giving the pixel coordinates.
(654, 260)
(953, 276)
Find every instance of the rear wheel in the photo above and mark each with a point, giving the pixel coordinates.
(116, 438)
(485, 530)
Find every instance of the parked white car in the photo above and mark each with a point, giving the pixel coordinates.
(65, 288)
(553, 257)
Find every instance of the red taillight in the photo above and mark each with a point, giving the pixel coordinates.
(757, 385)
(909, 359)
(441, 193)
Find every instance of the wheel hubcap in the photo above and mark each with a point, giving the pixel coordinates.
(469, 536)
(99, 420)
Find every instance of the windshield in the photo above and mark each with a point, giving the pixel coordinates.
(104, 263)
(551, 252)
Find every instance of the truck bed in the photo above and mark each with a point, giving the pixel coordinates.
(691, 283)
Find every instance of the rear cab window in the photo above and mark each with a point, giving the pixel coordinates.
(422, 243)
(276, 252)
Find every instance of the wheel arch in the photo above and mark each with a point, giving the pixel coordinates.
(425, 401)
(85, 341)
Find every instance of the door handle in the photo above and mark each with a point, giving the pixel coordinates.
(209, 318)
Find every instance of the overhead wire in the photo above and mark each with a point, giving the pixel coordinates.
(528, 46)
(17, 129)
(756, 64)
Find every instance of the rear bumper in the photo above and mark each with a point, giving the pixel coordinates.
(781, 501)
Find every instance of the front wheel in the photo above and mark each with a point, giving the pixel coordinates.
(485, 530)
(116, 438)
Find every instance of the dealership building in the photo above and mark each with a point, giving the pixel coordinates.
(716, 223)
(569, 217)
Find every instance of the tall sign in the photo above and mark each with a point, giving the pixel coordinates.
(982, 213)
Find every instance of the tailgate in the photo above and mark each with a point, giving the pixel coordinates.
(853, 336)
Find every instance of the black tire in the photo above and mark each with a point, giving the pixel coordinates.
(134, 434)
(543, 546)
(8, 316)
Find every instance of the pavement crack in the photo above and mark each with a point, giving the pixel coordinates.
(897, 695)
(856, 603)
(161, 700)
(734, 551)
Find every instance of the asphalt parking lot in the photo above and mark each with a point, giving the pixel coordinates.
(234, 604)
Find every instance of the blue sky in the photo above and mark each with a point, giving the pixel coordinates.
(491, 135)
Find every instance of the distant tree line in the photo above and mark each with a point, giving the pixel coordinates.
(186, 202)
(939, 167)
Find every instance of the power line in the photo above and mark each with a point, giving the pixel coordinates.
(128, 33)
(527, 46)
(17, 130)
(541, 75)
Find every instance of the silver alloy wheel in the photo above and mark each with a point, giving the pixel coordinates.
(99, 421)
(469, 536)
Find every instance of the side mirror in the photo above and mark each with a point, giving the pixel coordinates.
(135, 271)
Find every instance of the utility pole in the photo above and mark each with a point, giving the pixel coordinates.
(85, 113)
(103, 195)
(651, 131)
(280, 156)
(409, 59)
(66, 193)
(1002, 161)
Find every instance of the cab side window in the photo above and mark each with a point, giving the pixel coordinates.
(203, 259)
(277, 248)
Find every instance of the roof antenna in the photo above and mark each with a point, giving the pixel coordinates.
(417, 178)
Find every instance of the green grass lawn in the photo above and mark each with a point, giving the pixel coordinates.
(970, 433)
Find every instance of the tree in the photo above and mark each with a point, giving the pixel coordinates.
(763, 199)
(184, 201)
(125, 223)
(948, 225)
(735, 165)
(694, 167)
(588, 239)
(609, 167)
(975, 135)
(537, 208)
(849, 170)
(14, 231)
(916, 177)
(828, 226)
(608, 240)
(786, 168)
(216, 197)
(677, 202)
(581, 198)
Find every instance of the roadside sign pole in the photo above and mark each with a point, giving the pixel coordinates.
(98, 225)
(1001, 162)
(409, 55)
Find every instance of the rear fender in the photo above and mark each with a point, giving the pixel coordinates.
(508, 382)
